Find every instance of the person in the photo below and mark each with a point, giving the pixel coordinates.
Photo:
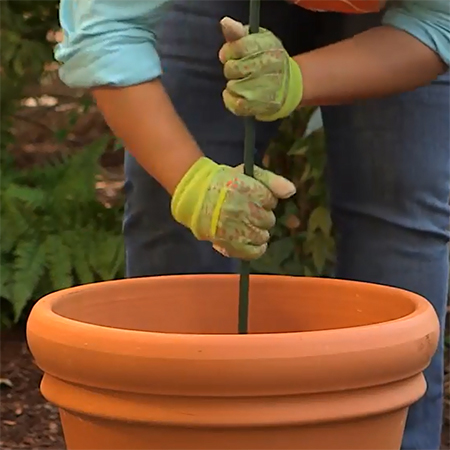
(109, 48)
(382, 82)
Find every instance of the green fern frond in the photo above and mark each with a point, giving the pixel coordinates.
(29, 265)
(80, 169)
(79, 243)
(108, 256)
(31, 196)
(118, 266)
(58, 262)
(14, 222)
(81, 266)
(6, 272)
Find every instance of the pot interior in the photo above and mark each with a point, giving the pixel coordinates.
(208, 304)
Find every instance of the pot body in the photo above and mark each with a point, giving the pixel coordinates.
(155, 363)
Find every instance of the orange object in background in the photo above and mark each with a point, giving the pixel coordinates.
(342, 6)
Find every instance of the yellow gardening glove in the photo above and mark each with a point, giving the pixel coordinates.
(263, 80)
(222, 205)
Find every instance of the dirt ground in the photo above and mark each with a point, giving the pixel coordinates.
(27, 420)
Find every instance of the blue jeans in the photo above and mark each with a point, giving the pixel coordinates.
(389, 167)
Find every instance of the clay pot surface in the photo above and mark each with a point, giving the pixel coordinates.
(343, 6)
(156, 363)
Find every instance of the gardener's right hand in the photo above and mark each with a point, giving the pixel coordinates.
(233, 211)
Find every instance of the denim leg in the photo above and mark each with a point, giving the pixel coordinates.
(190, 39)
(389, 163)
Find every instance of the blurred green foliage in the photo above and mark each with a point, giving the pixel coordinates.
(55, 233)
(24, 27)
(302, 241)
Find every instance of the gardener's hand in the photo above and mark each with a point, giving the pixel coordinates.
(263, 80)
(233, 211)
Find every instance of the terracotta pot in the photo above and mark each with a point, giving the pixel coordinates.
(155, 363)
(343, 6)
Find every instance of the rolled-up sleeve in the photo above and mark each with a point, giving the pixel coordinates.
(109, 42)
(427, 20)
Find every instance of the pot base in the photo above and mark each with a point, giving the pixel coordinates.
(374, 433)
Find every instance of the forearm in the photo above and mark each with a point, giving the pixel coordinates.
(144, 118)
(379, 62)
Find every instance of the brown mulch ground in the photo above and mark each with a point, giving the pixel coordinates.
(27, 420)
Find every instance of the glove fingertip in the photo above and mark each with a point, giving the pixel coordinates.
(260, 251)
(281, 187)
(221, 250)
(223, 54)
(232, 29)
(227, 100)
(284, 188)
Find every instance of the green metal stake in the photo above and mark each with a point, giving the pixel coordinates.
(249, 148)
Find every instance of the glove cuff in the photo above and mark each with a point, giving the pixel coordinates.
(294, 94)
(190, 192)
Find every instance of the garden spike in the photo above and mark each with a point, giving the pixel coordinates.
(232, 31)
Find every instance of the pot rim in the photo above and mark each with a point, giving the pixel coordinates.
(45, 306)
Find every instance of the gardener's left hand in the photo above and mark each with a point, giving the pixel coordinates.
(264, 81)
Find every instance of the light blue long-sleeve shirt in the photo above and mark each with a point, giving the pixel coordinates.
(112, 42)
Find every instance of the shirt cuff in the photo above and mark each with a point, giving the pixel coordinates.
(109, 65)
(429, 26)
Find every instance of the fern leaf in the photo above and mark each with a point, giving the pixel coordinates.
(33, 197)
(6, 272)
(79, 243)
(118, 266)
(108, 256)
(58, 262)
(29, 266)
(80, 171)
(81, 266)
(14, 224)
